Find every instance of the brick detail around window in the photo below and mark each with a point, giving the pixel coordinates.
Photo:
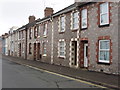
(97, 47)
(80, 20)
(98, 13)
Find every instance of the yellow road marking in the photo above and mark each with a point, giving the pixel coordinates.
(78, 80)
(65, 76)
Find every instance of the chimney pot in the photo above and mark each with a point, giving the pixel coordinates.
(31, 19)
(48, 11)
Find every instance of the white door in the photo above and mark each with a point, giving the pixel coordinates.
(85, 55)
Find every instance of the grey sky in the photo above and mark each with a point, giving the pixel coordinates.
(16, 12)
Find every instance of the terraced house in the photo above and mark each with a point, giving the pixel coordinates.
(82, 35)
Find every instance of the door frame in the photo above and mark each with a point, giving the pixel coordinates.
(85, 64)
(34, 51)
(70, 58)
(19, 49)
(38, 51)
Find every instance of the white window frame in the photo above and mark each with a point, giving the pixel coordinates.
(84, 18)
(23, 47)
(45, 30)
(39, 28)
(104, 13)
(30, 33)
(73, 23)
(35, 32)
(44, 48)
(104, 61)
(62, 22)
(23, 34)
(19, 35)
(62, 56)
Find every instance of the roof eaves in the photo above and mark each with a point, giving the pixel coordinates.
(43, 20)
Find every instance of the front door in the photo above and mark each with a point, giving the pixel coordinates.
(20, 49)
(85, 55)
(38, 51)
(34, 51)
(74, 53)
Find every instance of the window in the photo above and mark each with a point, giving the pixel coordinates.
(84, 18)
(19, 35)
(23, 47)
(62, 24)
(45, 30)
(22, 34)
(30, 33)
(35, 32)
(44, 49)
(61, 49)
(104, 51)
(30, 48)
(75, 20)
(104, 14)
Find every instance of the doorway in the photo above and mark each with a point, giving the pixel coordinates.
(20, 50)
(85, 55)
(34, 51)
(38, 51)
(74, 53)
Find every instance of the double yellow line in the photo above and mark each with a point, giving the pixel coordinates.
(78, 80)
(99, 86)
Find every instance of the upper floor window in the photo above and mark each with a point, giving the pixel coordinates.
(45, 30)
(62, 23)
(35, 32)
(104, 13)
(30, 33)
(19, 35)
(84, 18)
(38, 30)
(30, 48)
(104, 51)
(22, 34)
(61, 49)
(75, 20)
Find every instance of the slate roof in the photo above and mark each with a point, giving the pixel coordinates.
(63, 11)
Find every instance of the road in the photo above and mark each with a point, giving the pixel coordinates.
(19, 76)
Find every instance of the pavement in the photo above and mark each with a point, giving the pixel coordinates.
(99, 78)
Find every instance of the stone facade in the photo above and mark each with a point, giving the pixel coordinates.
(42, 39)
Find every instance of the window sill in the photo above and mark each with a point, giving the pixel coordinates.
(105, 25)
(104, 63)
(74, 30)
(83, 28)
(61, 57)
(44, 55)
(45, 36)
(61, 32)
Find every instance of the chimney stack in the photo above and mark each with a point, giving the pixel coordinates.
(48, 11)
(31, 19)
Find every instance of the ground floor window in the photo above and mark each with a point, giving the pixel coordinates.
(44, 49)
(61, 48)
(104, 51)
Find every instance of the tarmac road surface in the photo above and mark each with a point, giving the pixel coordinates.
(19, 76)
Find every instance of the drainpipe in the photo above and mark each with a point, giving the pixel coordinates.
(26, 42)
(78, 38)
(52, 41)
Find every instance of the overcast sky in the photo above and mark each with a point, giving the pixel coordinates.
(16, 12)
